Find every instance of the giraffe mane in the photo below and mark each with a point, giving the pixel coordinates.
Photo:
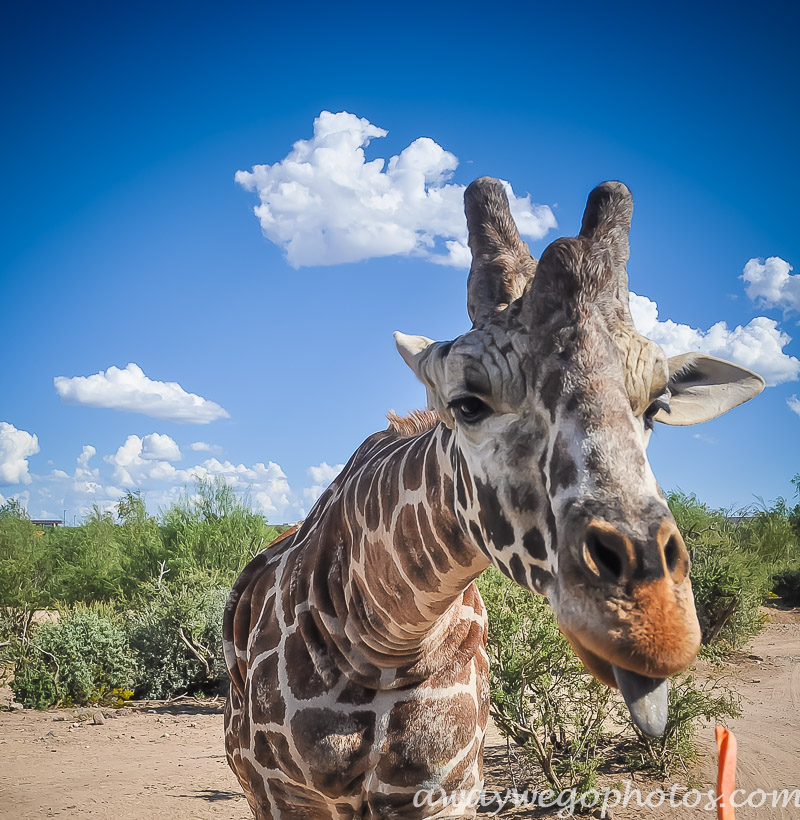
(415, 423)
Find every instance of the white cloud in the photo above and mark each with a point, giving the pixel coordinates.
(142, 460)
(160, 446)
(324, 203)
(267, 484)
(15, 447)
(144, 464)
(794, 404)
(23, 498)
(321, 476)
(758, 345)
(204, 447)
(129, 389)
(82, 468)
(772, 284)
(76, 493)
(137, 465)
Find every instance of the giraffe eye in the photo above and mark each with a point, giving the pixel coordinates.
(661, 403)
(470, 409)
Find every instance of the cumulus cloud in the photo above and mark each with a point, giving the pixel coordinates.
(15, 448)
(758, 345)
(159, 446)
(794, 404)
(145, 463)
(129, 389)
(324, 203)
(76, 492)
(321, 476)
(771, 283)
(82, 467)
(267, 483)
(144, 459)
(204, 447)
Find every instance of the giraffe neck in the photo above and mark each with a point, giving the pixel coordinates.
(390, 592)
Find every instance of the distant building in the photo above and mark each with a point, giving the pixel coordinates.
(47, 523)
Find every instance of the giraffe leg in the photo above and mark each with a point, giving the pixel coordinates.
(233, 727)
(295, 802)
(406, 807)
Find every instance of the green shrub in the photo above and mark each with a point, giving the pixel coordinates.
(730, 576)
(27, 569)
(541, 695)
(81, 658)
(176, 635)
(692, 703)
(786, 585)
(214, 530)
(565, 721)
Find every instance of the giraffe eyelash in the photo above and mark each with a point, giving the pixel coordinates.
(661, 403)
(469, 409)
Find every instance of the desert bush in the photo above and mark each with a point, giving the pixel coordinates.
(214, 530)
(175, 632)
(692, 704)
(566, 722)
(730, 577)
(27, 572)
(81, 658)
(786, 585)
(541, 695)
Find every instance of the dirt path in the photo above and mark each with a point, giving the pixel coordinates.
(168, 763)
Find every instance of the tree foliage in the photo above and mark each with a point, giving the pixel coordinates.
(151, 588)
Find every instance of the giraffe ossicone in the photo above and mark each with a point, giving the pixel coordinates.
(356, 645)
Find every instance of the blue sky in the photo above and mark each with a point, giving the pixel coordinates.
(127, 239)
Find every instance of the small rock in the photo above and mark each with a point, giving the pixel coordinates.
(58, 719)
(166, 734)
(51, 733)
(192, 725)
(75, 726)
(14, 706)
(98, 719)
(756, 680)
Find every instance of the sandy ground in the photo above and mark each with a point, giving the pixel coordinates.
(168, 762)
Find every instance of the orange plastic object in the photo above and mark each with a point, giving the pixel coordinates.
(726, 773)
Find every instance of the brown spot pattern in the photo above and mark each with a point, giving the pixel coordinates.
(335, 746)
(424, 736)
(267, 703)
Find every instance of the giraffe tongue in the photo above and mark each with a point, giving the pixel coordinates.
(646, 699)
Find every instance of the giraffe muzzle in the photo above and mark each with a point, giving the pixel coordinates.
(613, 557)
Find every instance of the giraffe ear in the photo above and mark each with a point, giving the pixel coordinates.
(704, 387)
(427, 359)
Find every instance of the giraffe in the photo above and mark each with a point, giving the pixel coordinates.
(357, 644)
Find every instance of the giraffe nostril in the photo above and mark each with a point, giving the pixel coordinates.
(604, 552)
(672, 553)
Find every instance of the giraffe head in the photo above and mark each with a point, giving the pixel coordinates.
(552, 396)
